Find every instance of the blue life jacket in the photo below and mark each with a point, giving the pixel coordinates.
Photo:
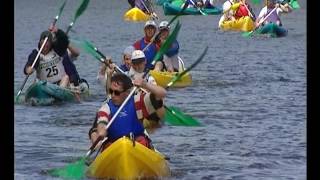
(150, 52)
(126, 121)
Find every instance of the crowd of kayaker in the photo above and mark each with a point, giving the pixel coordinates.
(145, 108)
(238, 15)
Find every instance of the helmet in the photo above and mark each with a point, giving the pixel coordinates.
(128, 50)
(150, 23)
(164, 24)
(137, 56)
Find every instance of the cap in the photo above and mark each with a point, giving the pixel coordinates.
(137, 56)
(128, 50)
(164, 24)
(150, 23)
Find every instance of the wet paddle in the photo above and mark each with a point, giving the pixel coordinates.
(83, 6)
(35, 60)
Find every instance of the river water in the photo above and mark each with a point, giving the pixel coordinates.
(249, 94)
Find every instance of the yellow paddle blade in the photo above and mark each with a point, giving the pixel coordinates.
(135, 14)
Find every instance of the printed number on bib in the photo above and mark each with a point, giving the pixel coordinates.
(52, 71)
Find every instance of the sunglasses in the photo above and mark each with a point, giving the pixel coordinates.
(116, 92)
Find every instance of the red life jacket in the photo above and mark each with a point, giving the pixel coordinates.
(242, 11)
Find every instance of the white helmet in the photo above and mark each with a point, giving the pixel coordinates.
(137, 54)
(164, 24)
(150, 23)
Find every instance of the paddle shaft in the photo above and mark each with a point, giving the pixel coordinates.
(198, 8)
(170, 22)
(83, 6)
(250, 14)
(261, 21)
(33, 64)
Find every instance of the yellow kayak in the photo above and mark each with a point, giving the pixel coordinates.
(163, 78)
(122, 160)
(242, 24)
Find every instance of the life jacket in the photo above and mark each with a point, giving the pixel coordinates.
(241, 11)
(150, 52)
(126, 121)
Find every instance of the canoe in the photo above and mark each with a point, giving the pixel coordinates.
(173, 9)
(46, 93)
(125, 160)
(162, 78)
(272, 29)
(242, 24)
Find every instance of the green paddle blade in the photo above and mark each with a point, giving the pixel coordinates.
(74, 170)
(294, 4)
(166, 45)
(62, 7)
(83, 6)
(85, 46)
(256, 1)
(175, 117)
(179, 75)
(247, 34)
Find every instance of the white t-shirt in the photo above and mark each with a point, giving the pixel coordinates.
(50, 67)
(274, 17)
(134, 74)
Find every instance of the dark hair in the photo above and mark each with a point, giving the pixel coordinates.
(43, 35)
(123, 79)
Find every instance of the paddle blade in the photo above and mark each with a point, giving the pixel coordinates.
(86, 47)
(135, 14)
(83, 6)
(166, 45)
(175, 117)
(247, 34)
(179, 75)
(294, 4)
(62, 7)
(256, 1)
(74, 170)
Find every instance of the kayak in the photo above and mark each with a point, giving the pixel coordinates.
(126, 160)
(272, 29)
(162, 78)
(172, 8)
(244, 23)
(160, 2)
(46, 93)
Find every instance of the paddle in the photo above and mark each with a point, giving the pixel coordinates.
(248, 34)
(170, 22)
(72, 170)
(83, 6)
(198, 8)
(250, 14)
(177, 118)
(44, 42)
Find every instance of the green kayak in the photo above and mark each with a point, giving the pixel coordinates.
(45, 93)
(273, 30)
(174, 7)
